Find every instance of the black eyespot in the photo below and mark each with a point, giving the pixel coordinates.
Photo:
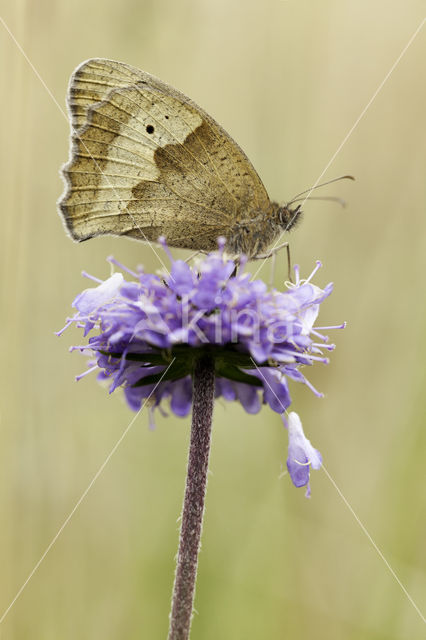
(167, 117)
(149, 128)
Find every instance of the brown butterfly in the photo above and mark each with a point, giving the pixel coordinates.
(146, 161)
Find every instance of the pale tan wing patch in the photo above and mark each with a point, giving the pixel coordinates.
(92, 81)
(114, 169)
(147, 161)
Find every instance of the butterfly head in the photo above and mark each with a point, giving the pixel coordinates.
(288, 217)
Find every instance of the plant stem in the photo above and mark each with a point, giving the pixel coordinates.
(193, 505)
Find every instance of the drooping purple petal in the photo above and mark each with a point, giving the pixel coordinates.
(181, 397)
(248, 396)
(275, 388)
(301, 454)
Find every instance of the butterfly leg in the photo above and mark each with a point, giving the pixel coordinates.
(273, 252)
(288, 263)
(193, 255)
(269, 254)
(272, 276)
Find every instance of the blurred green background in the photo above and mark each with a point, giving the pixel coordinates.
(288, 80)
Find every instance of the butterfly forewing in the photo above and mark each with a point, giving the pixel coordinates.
(147, 161)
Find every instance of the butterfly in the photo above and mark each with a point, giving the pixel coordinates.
(146, 161)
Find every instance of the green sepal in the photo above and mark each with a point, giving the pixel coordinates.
(176, 371)
(233, 373)
(228, 363)
(148, 358)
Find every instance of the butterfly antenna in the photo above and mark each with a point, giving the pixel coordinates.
(317, 186)
(329, 198)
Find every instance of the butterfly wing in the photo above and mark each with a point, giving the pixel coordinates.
(147, 161)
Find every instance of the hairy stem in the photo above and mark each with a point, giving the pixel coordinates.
(193, 505)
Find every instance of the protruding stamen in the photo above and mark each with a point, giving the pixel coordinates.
(151, 419)
(313, 389)
(336, 326)
(318, 266)
(221, 242)
(90, 277)
(296, 269)
(112, 260)
(68, 324)
(82, 375)
(320, 345)
(162, 241)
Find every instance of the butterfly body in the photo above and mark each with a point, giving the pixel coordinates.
(147, 161)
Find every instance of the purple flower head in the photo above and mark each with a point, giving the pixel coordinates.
(146, 331)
